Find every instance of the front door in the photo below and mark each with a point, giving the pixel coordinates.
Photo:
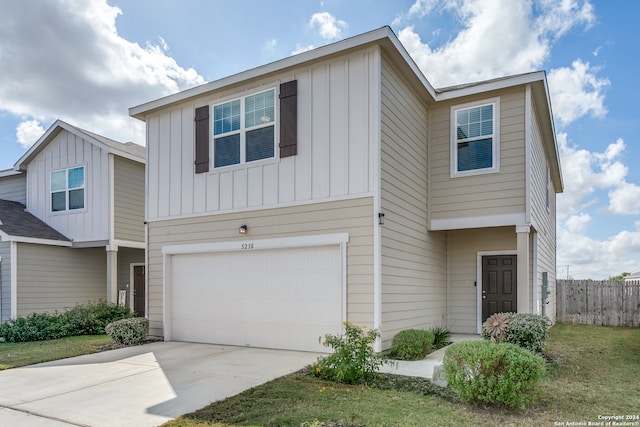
(138, 290)
(499, 285)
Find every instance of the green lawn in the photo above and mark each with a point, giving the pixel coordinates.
(597, 373)
(13, 355)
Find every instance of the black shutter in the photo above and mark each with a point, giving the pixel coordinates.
(202, 139)
(289, 119)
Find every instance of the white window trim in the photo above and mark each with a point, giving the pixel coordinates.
(66, 190)
(495, 146)
(243, 130)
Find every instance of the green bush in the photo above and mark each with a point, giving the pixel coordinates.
(88, 319)
(353, 358)
(529, 331)
(411, 344)
(490, 372)
(441, 336)
(129, 331)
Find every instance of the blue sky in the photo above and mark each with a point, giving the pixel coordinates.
(87, 62)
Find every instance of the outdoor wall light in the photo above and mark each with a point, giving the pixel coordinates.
(242, 229)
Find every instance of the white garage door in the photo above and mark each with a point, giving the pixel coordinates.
(275, 298)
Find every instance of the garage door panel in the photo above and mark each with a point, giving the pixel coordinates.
(283, 298)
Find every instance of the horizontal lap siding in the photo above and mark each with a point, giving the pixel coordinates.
(14, 188)
(5, 281)
(128, 185)
(54, 278)
(354, 216)
(543, 218)
(479, 195)
(463, 247)
(413, 260)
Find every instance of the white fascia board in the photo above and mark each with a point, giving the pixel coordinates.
(379, 35)
(128, 244)
(477, 222)
(10, 172)
(37, 241)
(491, 85)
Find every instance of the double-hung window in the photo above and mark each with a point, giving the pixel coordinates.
(475, 142)
(67, 189)
(243, 129)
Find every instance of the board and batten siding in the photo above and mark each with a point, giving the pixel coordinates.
(14, 188)
(54, 278)
(413, 260)
(479, 195)
(338, 124)
(66, 151)
(5, 281)
(354, 216)
(128, 184)
(462, 248)
(543, 218)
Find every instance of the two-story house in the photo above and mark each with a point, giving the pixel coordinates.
(72, 224)
(339, 185)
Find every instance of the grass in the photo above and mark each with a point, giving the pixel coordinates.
(597, 372)
(13, 355)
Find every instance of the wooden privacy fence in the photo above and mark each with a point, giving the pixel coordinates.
(605, 303)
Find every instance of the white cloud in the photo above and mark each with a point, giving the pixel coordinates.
(577, 92)
(498, 38)
(77, 68)
(625, 199)
(328, 26)
(578, 223)
(29, 132)
(584, 172)
(299, 49)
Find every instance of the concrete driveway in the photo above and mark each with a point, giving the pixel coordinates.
(137, 386)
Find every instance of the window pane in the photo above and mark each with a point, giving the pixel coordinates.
(474, 122)
(58, 202)
(76, 199)
(227, 150)
(76, 177)
(58, 180)
(259, 109)
(260, 144)
(475, 155)
(226, 117)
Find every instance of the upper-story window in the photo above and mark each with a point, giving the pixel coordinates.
(243, 129)
(475, 142)
(67, 189)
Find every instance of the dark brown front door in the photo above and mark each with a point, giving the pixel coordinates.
(138, 290)
(499, 288)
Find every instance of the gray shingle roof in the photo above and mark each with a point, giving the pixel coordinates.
(14, 221)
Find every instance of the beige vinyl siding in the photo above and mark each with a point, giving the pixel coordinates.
(337, 127)
(479, 195)
(462, 248)
(126, 257)
(543, 218)
(5, 281)
(128, 182)
(54, 278)
(413, 260)
(14, 188)
(354, 216)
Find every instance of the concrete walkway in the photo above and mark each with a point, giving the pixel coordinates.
(424, 368)
(139, 386)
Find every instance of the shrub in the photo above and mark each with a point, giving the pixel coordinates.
(353, 358)
(128, 331)
(89, 319)
(411, 344)
(441, 336)
(493, 372)
(529, 331)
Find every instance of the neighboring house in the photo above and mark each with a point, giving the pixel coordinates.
(72, 224)
(633, 277)
(339, 185)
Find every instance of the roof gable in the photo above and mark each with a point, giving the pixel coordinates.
(129, 150)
